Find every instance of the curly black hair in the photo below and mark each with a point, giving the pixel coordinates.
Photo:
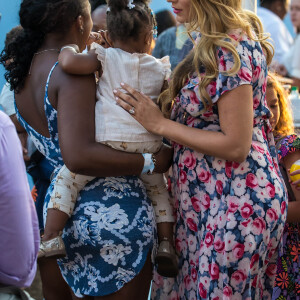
(38, 18)
(124, 23)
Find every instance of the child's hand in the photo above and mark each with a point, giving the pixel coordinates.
(100, 38)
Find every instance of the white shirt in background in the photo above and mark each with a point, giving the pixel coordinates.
(291, 59)
(7, 100)
(281, 37)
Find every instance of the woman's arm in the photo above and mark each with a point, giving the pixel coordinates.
(232, 143)
(74, 62)
(293, 214)
(76, 127)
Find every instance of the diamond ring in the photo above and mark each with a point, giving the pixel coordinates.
(132, 111)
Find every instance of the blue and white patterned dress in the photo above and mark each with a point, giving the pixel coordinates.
(111, 230)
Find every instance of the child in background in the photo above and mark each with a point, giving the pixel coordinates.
(287, 285)
(130, 32)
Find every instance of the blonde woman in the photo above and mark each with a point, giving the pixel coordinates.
(229, 196)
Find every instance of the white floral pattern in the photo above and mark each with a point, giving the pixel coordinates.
(104, 242)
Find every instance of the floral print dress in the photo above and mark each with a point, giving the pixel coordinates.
(112, 229)
(287, 283)
(230, 216)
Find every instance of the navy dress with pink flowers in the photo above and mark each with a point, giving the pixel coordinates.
(230, 216)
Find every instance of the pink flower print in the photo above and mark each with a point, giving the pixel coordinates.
(246, 223)
(194, 99)
(206, 202)
(174, 296)
(235, 165)
(238, 250)
(233, 204)
(202, 291)
(204, 175)
(183, 177)
(191, 224)
(211, 88)
(222, 64)
(263, 133)
(254, 259)
(194, 274)
(271, 270)
(227, 292)
(238, 277)
(196, 204)
(246, 210)
(258, 148)
(271, 215)
(283, 207)
(219, 246)
(270, 189)
(228, 168)
(187, 282)
(190, 161)
(214, 271)
(208, 239)
(245, 74)
(208, 113)
(256, 103)
(251, 181)
(219, 187)
(256, 72)
(178, 245)
(259, 225)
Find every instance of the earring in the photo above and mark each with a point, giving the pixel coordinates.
(81, 30)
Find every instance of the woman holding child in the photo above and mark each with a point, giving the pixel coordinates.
(229, 196)
(111, 233)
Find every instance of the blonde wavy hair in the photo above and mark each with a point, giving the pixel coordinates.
(213, 19)
(285, 125)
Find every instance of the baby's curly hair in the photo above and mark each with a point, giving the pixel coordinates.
(124, 23)
(285, 125)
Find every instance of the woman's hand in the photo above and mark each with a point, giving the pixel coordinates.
(141, 108)
(164, 159)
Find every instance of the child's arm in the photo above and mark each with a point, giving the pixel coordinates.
(293, 214)
(74, 62)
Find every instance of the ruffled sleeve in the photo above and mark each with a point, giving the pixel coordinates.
(100, 51)
(166, 66)
(224, 82)
(288, 144)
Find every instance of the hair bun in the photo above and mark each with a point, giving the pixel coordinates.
(117, 5)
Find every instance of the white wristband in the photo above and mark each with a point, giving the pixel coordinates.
(148, 163)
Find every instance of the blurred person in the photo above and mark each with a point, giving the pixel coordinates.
(36, 164)
(291, 60)
(175, 43)
(271, 14)
(99, 18)
(110, 237)
(130, 37)
(164, 19)
(96, 3)
(288, 150)
(19, 230)
(229, 195)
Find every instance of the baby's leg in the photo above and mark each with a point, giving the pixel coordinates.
(62, 200)
(158, 194)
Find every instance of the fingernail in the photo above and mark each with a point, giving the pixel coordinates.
(114, 91)
(117, 98)
(122, 83)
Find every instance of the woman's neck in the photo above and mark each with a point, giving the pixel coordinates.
(55, 41)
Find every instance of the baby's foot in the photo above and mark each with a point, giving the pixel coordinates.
(54, 248)
(166, 260)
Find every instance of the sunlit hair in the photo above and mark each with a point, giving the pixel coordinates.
(285, 125)
(214, 19)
